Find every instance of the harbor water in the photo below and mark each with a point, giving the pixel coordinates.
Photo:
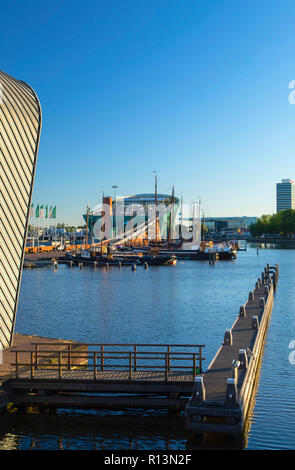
(191, 302)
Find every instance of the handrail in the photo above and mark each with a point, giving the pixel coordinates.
(102, 359)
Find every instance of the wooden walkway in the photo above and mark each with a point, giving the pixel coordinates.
(221, 397)
(243, 337)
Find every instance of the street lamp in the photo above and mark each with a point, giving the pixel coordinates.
(115, 211)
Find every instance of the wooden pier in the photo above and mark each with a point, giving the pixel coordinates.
(221, 396)
(112, 375)
(165, 376)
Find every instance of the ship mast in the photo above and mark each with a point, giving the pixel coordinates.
(171, 215)
(156, 205)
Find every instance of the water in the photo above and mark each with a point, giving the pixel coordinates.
(191, 302)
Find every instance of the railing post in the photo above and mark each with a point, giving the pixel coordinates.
(59, 364)
(16, 364)
(135, 358)
(95, 366)
(36, 355)
(32, 364)
(130, 366)
(101, 357)
(194, 365)
(166, 367)
(69, 356)
(200, 359)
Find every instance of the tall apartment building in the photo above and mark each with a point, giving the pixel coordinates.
(20, 125)
(285, 195)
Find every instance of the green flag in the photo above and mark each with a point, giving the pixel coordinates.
(50, 213)
(42, 212)
(32, 211)
(54, 213)
(46, 211)
(37, 212)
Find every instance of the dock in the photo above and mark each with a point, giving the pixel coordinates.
(221, 396)
(112, 375)
(54, 374)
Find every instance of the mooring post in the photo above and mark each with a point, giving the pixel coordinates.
(231, 395)
(199, 392)
(243, 358)
(262, 302)
(228, 338)
(266, 290)
(255, 323)
(251, 295)
(242, 312)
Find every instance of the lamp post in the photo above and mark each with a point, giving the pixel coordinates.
(115, 211)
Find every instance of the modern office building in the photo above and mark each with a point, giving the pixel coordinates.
(20, 126)
(285, 195)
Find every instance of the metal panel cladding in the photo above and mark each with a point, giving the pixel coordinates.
(20, 126)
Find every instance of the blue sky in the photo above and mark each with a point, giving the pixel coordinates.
(195, 89)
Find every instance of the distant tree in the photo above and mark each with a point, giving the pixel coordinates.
(283, 222)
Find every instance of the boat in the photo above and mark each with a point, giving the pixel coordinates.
(157, 260)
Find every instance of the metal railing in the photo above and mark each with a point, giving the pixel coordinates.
(99, 358)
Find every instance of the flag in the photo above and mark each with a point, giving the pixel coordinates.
(54, 212)
(50, 212)
(32, 211)
(37, 212)
(42, 212)
(46, 211)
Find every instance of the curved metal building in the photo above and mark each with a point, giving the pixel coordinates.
(20, 126)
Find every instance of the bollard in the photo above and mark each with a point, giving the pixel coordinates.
(199, 392)
(251, 295)
(243, 358)
(107, 266)
(81, 265)
(133, 267)
(266, 290)
(262, 302)
(231, 394)
(71, 264)
(242, 312)
(255, 323)
(228, 338)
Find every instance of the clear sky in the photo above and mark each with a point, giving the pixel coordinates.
(195, 89)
